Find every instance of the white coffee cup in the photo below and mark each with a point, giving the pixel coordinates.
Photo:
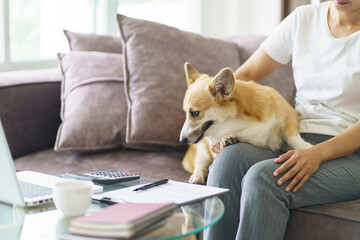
(73, 197)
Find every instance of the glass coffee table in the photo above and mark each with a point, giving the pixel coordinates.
(45, 222)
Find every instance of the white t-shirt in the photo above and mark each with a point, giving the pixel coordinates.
(326, 69)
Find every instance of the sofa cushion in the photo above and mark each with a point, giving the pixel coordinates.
(154, 164)
(92, 99)
(328, 221)
(154, 57)
(93, 42)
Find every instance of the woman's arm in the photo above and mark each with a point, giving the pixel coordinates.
(258, 66)
(341, 145)
(304, 162)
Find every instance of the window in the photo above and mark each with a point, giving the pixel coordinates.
(2, 36)
(33, 30)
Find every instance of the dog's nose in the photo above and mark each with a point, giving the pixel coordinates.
(184, 140)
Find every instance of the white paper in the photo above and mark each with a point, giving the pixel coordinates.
(173, 191)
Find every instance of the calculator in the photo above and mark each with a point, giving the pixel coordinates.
(105, 177)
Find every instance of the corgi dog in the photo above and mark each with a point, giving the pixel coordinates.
(223, 110)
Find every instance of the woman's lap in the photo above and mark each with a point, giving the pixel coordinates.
(234, 162)
(335, 180)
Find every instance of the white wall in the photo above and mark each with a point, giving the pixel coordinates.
(230, 17)
(183, 14)
(214, 17)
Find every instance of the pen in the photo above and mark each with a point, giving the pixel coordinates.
(106, 200)
(154, 184)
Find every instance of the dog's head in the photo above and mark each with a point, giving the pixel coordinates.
(207, 103)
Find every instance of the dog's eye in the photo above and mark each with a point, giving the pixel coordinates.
(194, 114)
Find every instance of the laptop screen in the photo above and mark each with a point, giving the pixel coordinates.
(10, 192)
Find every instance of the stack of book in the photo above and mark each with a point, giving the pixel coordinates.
(122, 220)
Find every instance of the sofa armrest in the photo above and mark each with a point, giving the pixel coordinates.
(30, 109)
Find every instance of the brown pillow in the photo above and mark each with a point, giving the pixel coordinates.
(92, 100)
(93, 42)
(154, 57)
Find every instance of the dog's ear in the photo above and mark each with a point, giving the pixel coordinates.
(191, 74)
(222, 87)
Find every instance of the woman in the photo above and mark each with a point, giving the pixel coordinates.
(323, 42)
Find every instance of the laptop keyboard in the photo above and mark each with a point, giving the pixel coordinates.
(30, 190)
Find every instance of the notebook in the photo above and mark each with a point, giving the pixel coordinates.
(25, 188)
(121, 219)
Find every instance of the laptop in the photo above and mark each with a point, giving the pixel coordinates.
(26, 188)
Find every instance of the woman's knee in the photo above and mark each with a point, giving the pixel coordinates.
(259, 185)
(234, 161)
(261, 176)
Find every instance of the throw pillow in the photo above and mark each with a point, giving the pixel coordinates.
(154, 57)
(93, 42)
(92, 100)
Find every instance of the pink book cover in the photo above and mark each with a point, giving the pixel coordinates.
(124, 214)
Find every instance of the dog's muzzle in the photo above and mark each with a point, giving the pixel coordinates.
(206, 126)
(194, 135)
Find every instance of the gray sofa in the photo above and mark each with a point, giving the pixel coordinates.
(29, 110)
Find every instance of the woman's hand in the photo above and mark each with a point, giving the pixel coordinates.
(301, 163)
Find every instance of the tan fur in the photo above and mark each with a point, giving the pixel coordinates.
(247, 111)
(202, 155)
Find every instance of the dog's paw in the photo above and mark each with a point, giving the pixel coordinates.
(197, 178)
(228, 140)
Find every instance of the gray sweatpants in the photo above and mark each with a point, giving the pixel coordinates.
(256, 207)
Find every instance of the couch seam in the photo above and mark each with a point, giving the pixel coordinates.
(327, 215)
